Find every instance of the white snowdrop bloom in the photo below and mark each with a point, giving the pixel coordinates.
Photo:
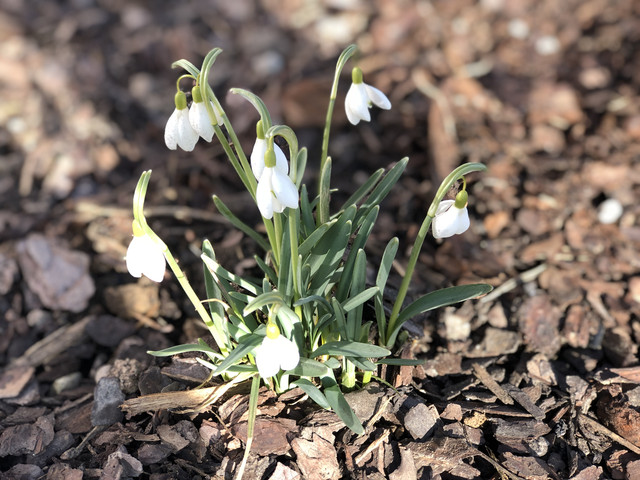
(276, 353)
(610, 211)
(260, 150)
(178, 131)
(275, 189)
(145, 257)
(451, 217)
(199, 117)
(360, 97)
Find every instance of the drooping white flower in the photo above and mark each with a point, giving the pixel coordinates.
(276, 353)
(199, 117)
(451, 217)
(360, 97)
(145, 257)
(275, 189)
(178, 131)
(260, 150)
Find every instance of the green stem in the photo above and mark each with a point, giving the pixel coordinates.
(251, 421)
(323, 206)
(138, 213)
(445, 186)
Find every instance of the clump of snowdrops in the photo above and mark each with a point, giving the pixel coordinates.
(301, 324)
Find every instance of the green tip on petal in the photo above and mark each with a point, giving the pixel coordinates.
(181, 100)
(461, 199)
(260, 130)
(137, 229)
(270, 157)
(356, 75)
(196, 94)
(273, 331)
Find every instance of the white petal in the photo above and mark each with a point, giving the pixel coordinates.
(267, 359)
(171, 131)
(378, 98)
(145, 257)
(450, 222)
(257, 157)
(187, 136)
(356, 104)
(264, 196)
(199, 120)
(288, 353)
(444, 205)
(284, 189)
(282, 164)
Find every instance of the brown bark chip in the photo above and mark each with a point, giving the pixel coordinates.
(27, 439)
(269, 435)
(317, 458)
(13, 380)
(59, 276)
(539, 322)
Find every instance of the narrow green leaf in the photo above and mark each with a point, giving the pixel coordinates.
(301, 161)
(363, 364)
(404, 362)
(240, 225)
(324, 194)
(359, 243)
(339, 404)
(311, 241)
(248, 343)
(359, 299)
(364, 189)
(314, 298)
(262, 300)
(383, 188)
(186, 348)
(351, 349)
(309, 368)
(314, 392)
(437, 299)
(217, 269)
(442, 298)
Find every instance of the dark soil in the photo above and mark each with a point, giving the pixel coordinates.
(539, 379)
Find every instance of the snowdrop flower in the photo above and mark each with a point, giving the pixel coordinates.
(144, 256)
(451, 217)
(178, 132)
(276, 352)
(360, 97)
(275, 189)
(260, 150)
(199, 117)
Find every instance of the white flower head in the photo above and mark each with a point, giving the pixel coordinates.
(276, 353)
(178, 131)
(144, 256)
(260, 150)
(275, 189)
(360, 97)
(451, 217)
(199, 116)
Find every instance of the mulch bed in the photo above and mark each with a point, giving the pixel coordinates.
(539, 379)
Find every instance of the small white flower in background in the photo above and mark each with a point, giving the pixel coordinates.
(178, 131)
(144, 256)
(199, 117)
(451, 217)
(276, 353)
(610, 211)
(260, 150)
(275, 189)
(360, 97)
